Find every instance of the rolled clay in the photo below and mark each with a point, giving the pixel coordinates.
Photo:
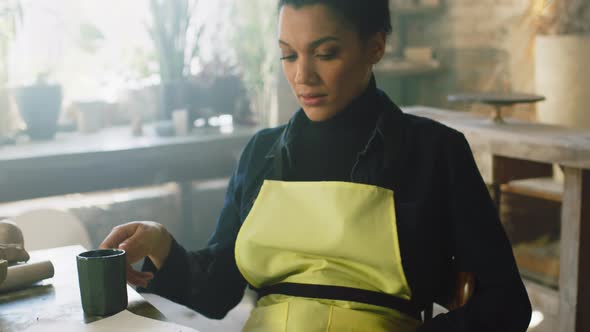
(23, 275)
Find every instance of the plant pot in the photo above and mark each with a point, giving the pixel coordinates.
(173, 95)
(90, 115)
(40, 106)
(562, 75)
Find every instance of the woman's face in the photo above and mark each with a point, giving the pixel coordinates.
(324, 59)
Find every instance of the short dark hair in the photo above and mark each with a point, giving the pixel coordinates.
(368, 16)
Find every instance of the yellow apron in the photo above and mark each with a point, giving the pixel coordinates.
(323, 233)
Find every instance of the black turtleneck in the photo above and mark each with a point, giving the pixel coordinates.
(327, 150)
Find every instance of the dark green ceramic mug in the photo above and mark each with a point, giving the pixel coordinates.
(103, 287)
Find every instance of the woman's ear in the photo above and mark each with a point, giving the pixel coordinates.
(377, 47)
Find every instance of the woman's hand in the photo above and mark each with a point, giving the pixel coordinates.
(140, 239)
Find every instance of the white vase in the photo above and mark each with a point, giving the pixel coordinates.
(562, 75)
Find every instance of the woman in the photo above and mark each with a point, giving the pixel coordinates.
(353, 215)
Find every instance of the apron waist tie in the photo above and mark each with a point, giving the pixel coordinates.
(343, 294)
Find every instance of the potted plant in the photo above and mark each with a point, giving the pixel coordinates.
(40, 105)
(38, 100)
(175, 35)
(562, 73)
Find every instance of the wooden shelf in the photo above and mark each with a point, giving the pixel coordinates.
(415, 10)
(539, 262)
(544, 188)
(407, 68)
(397, 66)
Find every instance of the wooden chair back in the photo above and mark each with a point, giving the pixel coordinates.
(464, 285)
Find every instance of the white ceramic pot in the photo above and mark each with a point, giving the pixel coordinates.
(562, 75)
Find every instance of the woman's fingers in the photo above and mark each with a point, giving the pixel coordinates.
(133, 237)
(145, 241)
(138, 278)
(137, 239)
(136, 246)
(118, 235)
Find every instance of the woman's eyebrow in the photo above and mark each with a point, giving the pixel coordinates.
(284, 43)
(314, 44)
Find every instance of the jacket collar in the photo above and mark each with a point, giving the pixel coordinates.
(389, 130)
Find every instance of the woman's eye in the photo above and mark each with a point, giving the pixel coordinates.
(289, 58)
(326, 56)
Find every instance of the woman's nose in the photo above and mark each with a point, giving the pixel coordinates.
(305, 74)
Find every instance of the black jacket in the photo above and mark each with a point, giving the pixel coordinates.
(445, 217)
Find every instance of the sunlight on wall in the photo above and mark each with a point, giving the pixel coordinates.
(541, 6)
(536, 319)
(50, 43)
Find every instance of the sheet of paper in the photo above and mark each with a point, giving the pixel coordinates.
(128, 320)
(123, 321)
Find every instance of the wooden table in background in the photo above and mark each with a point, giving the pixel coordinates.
(518, 150)
(112, 158)
(58, 298)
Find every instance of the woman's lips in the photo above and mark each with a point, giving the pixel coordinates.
(313, 100)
